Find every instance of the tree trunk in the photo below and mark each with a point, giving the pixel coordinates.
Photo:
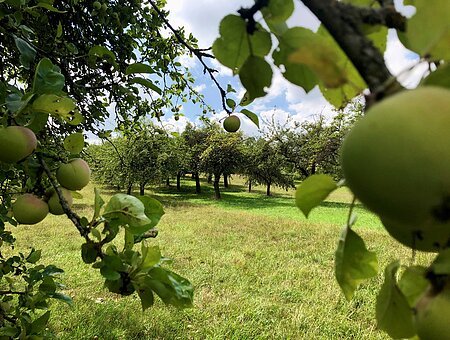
(216, 186)
(130, 186)
(179, 180)
(225, 180)
(197, 183)
(268, 189)
(313, 168)
(250, 185)
(141, 189)
(209, 179)
(168, 182)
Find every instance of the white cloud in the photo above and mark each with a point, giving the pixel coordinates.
(200, 88)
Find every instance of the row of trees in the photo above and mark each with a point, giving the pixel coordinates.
(153, 156)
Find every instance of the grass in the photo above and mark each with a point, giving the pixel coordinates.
(260, 270)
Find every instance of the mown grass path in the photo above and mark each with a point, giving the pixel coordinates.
(260, 270)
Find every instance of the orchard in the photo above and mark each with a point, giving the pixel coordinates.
(72, 69)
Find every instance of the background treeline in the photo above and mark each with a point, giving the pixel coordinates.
(152, 156)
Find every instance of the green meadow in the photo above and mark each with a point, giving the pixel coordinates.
(260, 269)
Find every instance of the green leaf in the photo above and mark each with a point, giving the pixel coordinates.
(150, 256)
(98, 203)
(59, 30)
(235, 45)
(146, 296)
(231, 103)
(101, 52)
(47, 286)
(88, 252)
(394, 315)
(378, 35)
(252, 116)
(440, 77)
(147, 83)
(96, 234)
(246, 100)
(154, 210)
(39, 324)
(62, 297)
(109, 274)
(428, 31)
(128, 210)
(255, 74)
(9, 331)
(49, 7)
(413, 283)
(171, 288)
(129, 240)
(298, 74)
(278, 10)
(113, 262)
(230, 89)
(441, 264)
(27, 52)
(15, 103)
(74, 143)
(353, 262)
(312, 191)
(34, 256)
(139, 68)
(47, 78)
(54, 105)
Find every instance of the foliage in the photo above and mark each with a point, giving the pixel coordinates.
(344, 57)
(63, 66)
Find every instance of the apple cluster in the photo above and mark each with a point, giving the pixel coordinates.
(16, 144)
(396, 160)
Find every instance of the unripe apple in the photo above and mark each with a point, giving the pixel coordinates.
(231, 123)
(29, 209)
(433, 315)
(54, 206)
(16, 143)
(74, 175)
(396, 160)
(97, 5)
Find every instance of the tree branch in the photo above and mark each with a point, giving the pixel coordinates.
(197, 52)
(343, 22)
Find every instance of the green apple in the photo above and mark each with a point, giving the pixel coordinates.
(396, 160)
(74, 175)
(29, 209)
(54, 205)
(433, 315)
(423, 236)
(16, 143)
(231, 123)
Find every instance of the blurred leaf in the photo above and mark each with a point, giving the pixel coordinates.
(101, 52)
(62, 297)
(27, 52)
(312, 191)
(147, 83)
(47, 78)
(150, 256)
(231, 103)
(246, 100)
(428, 31)
(235, 45)
(441, 264)
(98, 203)
(154, 210)
(353, 262)
(109, 274)
(440, 77)
(394, 315)
(255, 74)
(34, 256)
(413, 283)
(49, 7)
(54, 105)
(40, 323)
(146, 296)
(139, 68)
(252, 116)
(47, 286)
(278, 10)
(88, 252)
(74, 143)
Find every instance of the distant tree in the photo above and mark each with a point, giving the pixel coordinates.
(223, 155)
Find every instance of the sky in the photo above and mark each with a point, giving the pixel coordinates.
(202, 18)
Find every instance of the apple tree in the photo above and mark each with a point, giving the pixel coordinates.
(68, 68)
(395, 159)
